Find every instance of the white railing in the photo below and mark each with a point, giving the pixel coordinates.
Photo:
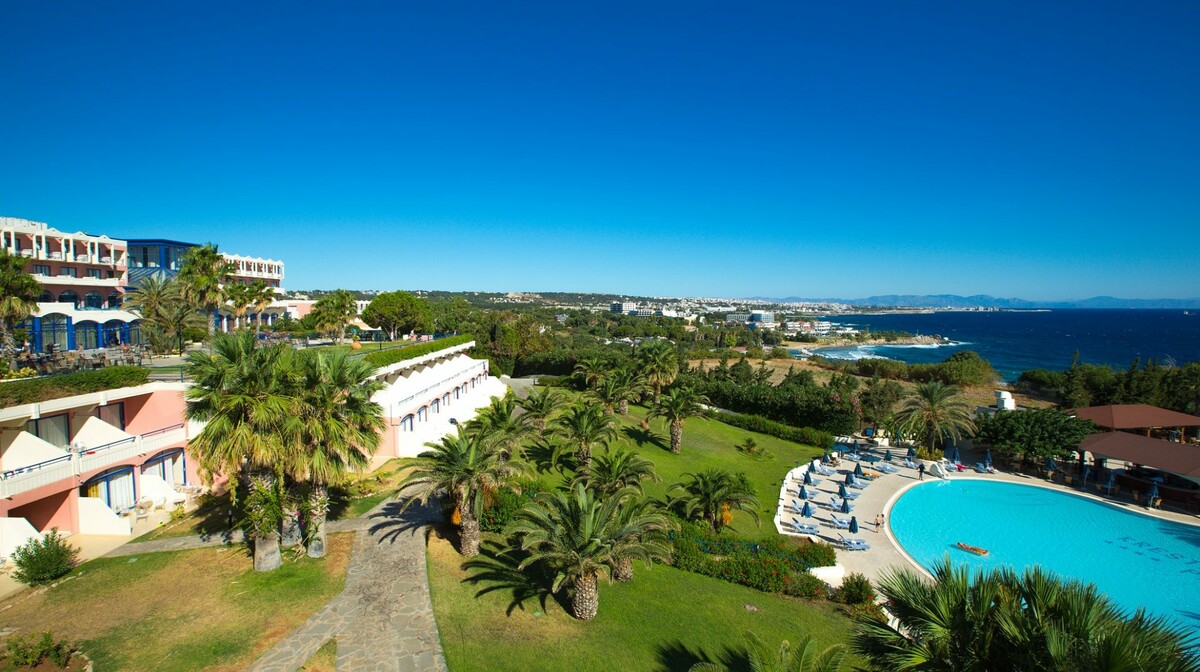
(433, 386)
(79, 462)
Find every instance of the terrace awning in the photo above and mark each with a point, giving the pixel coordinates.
(1135, 416)
(1177, 458)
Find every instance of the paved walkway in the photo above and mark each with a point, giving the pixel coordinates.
(382, 620)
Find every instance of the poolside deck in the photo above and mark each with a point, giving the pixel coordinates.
(879, 496)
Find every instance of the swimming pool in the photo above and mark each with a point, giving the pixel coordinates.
(1138, 560)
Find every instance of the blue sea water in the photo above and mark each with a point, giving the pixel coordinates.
(1138, 560)
(1017, 341)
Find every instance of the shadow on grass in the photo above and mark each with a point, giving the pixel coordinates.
(547, 457)
(400, 517)
(641, 437)
(497, 569)
(677, 657)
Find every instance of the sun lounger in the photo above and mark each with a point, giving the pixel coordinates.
(824, 470)
(804, 528)
(840, 523)
(887, 468)
(910, 464)
(853, 456)
(854, 544)
(852, 495)
(983, 469)
(793, 507)
(835, 503)
(856, 484)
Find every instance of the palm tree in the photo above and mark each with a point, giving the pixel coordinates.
(608, 393)
(586, 426)
(466, 466)
(712, 496)
(659, 364)
(999, 620)
(237, 295)
(936, 412)
(618, 469)
(154, 292)
(541, 406)
(644, 533)
(19, 293)
(500, 425)
(203, 275)
(675, 406)
(261, 297)
(337, 427)
(581, 535)
(174, 319)
(243, 394)
(334, 312)
(803, 658)
(590, 370)
(630, 386)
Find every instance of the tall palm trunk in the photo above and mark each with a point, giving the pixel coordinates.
(584, 455)
(586, 600)
(289, 528)
(623, 407)
(318, 509)
(623, 571)
(267, 555)
(6, 342)
(468, 533)
(676, 435)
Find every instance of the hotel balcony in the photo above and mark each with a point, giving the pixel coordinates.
(83, 459)
(84, 281)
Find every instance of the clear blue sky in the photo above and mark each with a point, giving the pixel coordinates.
(681, 148)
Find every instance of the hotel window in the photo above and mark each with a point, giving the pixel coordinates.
(113, 414)
(94, 273)
(54, 430)
(68, 272)
(41, 269)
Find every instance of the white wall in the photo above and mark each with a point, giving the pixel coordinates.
(96, 518)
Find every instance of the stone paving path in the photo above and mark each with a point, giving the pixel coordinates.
(382, 620)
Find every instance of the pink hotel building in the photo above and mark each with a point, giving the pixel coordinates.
(83, 463)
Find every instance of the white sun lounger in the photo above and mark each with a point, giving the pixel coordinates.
(840, 523)
(910, 464)
(854, 544)
(804, 528)
(886, 468)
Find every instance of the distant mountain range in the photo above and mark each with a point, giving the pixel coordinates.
(985, 301)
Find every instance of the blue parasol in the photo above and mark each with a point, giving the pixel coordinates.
(954, 456)
(987, 458)
(1051, 465)
(808, 478)
(807, 510)
(842, 490)
(872, 458)
(1087, 471)
(912, 452)
(853, 524)
(849, 477)
(1152, 495)
(858, 469)
(845, 506)
(1112, 482)
(825, 457)
(803, 492)
(887, 455)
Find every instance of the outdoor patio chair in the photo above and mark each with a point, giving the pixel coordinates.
(910, 464)
(840, 523)
(804, 528)
(854, 544)
(887, 468)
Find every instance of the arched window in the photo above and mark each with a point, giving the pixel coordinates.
(86, 335)
(114, 300)
(446, 398)
(457, 391)
(406, 425)
(70, 296)
(114, 486)
(169, 465)
(435, 406)
(54, 331)
(46, 297)
(135, 333)
(93, 301)
(422, 414)
(112, 334)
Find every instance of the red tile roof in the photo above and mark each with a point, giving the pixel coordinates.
(1135, 416)
(1178, 458)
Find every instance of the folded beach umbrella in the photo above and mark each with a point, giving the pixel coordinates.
(858, 470)
(954, 457)
(849, 478)
(842, 490)
(887, 455)
(1051, 465)
(807, 510)
(803, 493)
(853, 524)
(912, 452)
(987, 458)
(808, 478)
(1087, 471)
(1112, 480)
(845, 506)
(1153, 494)
(825, 457)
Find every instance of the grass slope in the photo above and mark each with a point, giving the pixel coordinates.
(664, 620)
(188, 610)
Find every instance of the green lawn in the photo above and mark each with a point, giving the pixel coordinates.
(664, 620)
(205, 609)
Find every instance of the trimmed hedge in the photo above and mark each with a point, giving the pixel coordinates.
(83, 382)
(770, 566)
(383, 358)
(757, 423)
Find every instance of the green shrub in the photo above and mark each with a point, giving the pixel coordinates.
(760, 571)
(815, 555)
(757, 423)
(383, 358)
(804, 584)
(855, 589)
(557, 381)
(42, 561)
(32, 650)
(83, 382)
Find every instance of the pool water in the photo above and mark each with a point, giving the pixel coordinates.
(1139, 561)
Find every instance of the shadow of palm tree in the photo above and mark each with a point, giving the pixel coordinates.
(496, 568)
(399, 517)
(549, 456)
(641, 437)
(677, 657)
